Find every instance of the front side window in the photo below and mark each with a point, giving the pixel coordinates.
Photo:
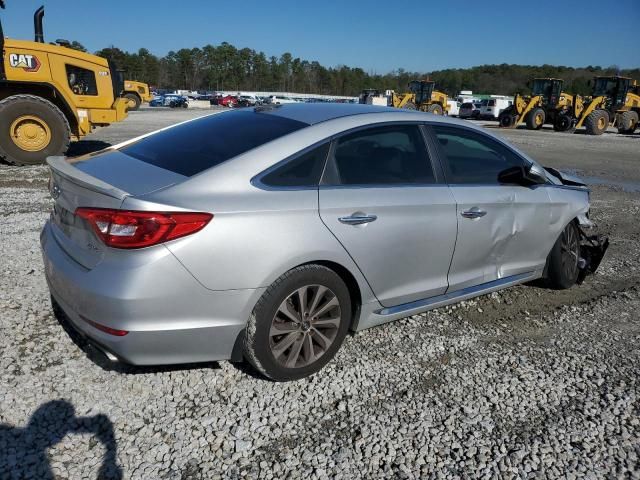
(81, 81)
(303, 171)
(474, 158)
(381, 156)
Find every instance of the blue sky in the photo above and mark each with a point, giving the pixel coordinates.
(378, 36)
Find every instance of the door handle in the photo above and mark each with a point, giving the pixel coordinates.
(474, 212)
(357, 219)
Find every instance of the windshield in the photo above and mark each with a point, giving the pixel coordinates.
(541, 87)
(605, 86)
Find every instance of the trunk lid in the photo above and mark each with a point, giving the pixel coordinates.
(99, 181)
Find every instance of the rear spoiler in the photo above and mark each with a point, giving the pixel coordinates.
(62, 167)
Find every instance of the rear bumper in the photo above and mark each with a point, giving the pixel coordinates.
(170, 317)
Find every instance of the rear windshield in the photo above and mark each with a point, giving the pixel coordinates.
(195, 146)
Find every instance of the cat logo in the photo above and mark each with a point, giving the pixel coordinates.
(29, 63)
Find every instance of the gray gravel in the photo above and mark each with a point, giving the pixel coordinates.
(525, 383)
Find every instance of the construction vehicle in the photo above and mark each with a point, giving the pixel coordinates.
(422, 96)
(51, 94)
(136, 93)
(546, 104)
(615, 101)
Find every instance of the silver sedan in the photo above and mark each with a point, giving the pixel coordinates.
(267, 233)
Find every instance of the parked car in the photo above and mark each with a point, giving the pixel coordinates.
(469, 110)
(281, 100)
(227, 101)
(171, 100)
(491, 108)
(309, 220)
(157, 101)
(248, 101)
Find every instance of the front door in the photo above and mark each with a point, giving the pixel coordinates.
(501, 228)
(381, 200)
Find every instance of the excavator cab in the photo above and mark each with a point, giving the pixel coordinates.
(547, 88)
(422, 90)
(615, 89)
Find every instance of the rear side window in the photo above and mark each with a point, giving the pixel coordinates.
(303, 171)
(473, 158)
(380, 156)
(195, 146)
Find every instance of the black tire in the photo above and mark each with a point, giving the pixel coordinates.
(564, 123)
(562, 262)
(597, 122)
(627, 122)
(258, 343)
(16, 106)
(436, 109)
(507, 120)
(409, 106)
(536, 118)
(134, 101)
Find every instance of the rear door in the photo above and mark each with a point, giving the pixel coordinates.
(382, 199)
(500, 227)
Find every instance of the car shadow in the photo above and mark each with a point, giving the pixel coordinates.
(98, 357)
(24, 450)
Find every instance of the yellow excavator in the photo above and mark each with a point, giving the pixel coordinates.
(51, 94)
(421, 96)
(136, 93)
(546, 104)
(615, 101)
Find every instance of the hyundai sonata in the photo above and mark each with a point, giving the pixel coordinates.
(268, 233)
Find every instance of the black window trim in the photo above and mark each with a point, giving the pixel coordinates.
(257, 182)
(442, 156)
(439, 179)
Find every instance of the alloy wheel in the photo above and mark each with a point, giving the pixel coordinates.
(304, 326)
(570, 249)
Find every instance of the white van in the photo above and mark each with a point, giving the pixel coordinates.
(491, 108)
(280, 99)
(454, 108)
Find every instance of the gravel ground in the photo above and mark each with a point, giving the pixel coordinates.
(525, 383)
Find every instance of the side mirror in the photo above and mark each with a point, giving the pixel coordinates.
(525, 176)
(536, 174)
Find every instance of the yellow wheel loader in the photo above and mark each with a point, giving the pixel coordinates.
(615, 101)
(50, 95)
(422, 96)
(546, 104)
(136, 93)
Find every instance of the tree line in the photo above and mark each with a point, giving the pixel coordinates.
(225, 67)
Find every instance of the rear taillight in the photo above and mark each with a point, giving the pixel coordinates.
(132, 229)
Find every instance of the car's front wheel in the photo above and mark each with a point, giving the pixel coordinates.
(298, 324)
(563, 266)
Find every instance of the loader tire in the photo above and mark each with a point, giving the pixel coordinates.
(31, 129)
(564, 123)
(133, 101)
(435, 108)
(507, 120)
(597, 122)
(627, 122)
(409, 106)
(535, 119)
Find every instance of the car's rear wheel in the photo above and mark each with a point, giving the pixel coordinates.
(298, 324)
(563, 261)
